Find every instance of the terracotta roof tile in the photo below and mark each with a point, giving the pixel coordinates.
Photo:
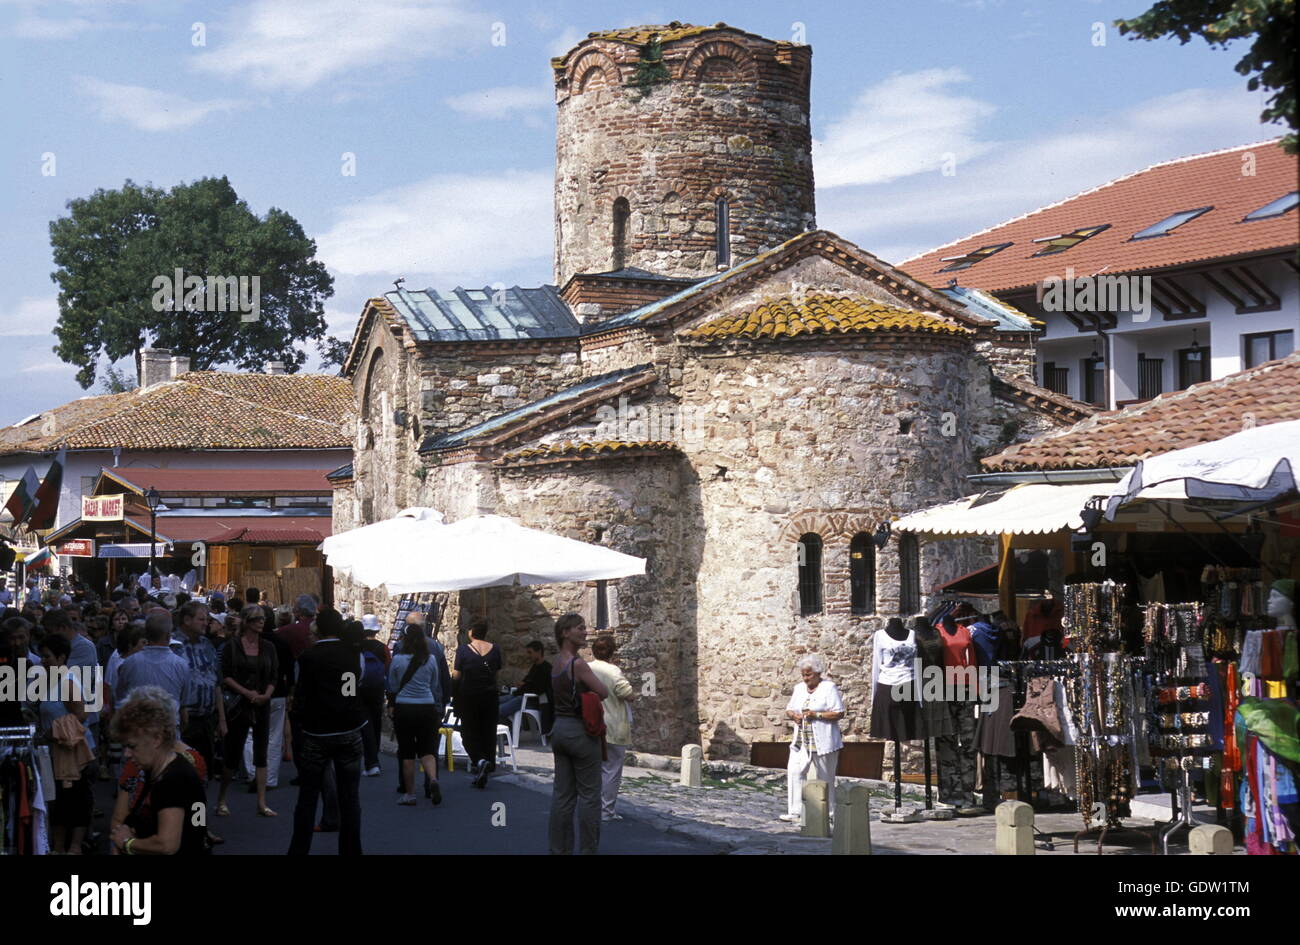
(198, 410)
(822, 314)
(1024, 390)
(586, 450)
(1130, 204)
(1262, 395)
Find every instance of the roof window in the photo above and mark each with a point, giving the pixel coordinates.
(1169, 224)
(1059, 244)
(1275, 209)
(969, 259)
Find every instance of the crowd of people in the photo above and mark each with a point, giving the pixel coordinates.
(199, 691)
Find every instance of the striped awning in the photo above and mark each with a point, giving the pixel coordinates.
(1025, 509)
(133, 550)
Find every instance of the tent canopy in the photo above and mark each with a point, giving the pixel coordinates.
(1026, 509)
(1255, 465)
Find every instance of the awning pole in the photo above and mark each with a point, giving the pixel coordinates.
(1007, 576)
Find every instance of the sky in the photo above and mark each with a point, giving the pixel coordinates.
(931, 119)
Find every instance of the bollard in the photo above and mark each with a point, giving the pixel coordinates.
(816, 810)
(1015, 829)
(692, 763)
(852, 834)
(1210, 840)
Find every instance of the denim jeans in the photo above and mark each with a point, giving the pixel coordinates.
(340, 754)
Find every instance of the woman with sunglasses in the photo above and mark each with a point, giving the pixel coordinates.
(249, 667)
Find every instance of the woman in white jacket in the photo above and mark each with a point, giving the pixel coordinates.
(815, 710)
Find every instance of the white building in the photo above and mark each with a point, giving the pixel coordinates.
(1180, 273)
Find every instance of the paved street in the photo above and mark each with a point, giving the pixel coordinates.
(462, 824)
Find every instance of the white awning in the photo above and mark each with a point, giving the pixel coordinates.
(1027, 509)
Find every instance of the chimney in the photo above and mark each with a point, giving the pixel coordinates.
(274, 367)
(180, 366)
(154, 366)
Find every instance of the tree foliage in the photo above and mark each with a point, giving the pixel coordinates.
(114, 244)
(1271, 61)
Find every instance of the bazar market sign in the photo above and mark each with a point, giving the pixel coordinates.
(102, 508)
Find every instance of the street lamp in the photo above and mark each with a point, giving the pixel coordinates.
(154, 501)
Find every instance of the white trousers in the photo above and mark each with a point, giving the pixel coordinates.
(611, 776)
(797, 772)
(274, 745)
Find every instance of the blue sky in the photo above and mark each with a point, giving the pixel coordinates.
(453, 135)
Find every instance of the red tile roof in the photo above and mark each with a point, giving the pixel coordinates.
(223, 529)
(1130, 204)
(1262, 395)
(197, 411)
(225, 481)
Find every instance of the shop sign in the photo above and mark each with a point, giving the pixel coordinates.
(102, 508)
(76, 548)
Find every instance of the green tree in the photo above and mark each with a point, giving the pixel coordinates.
(113, 246)
(333, 351)
(1270, 62)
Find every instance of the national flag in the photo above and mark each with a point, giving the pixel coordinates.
(23, 501)
(47, 496)
(41, 559)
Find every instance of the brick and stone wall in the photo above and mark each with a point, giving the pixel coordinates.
(731, 121)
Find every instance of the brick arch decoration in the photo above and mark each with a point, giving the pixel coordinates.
(593, 61)
(702, 61)
(841, 525)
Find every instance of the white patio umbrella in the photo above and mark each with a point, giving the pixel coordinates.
(478, 552)
(365, 553)
(1255, 465)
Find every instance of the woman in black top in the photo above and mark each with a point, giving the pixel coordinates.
(163, 819)
(249, 669)
(477, 664)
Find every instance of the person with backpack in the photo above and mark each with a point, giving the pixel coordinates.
(416, 694)
(374, 681)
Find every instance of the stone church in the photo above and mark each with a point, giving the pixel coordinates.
(711, 383)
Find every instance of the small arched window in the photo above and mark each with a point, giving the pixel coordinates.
(862, 574)
(909, 574)
(621, 212)
(810, 574)
(722, 235)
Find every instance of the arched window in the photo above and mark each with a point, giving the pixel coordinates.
(909, 574)
(862, 574)
(810, 574)
(621, 212)
(722, 236)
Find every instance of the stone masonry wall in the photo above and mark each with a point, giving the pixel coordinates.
(731, 121)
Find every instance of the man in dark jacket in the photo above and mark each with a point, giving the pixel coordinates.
(327, 705)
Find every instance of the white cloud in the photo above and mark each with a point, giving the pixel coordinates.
(907, 124)
(150, 109)
(42, 27)
(504, 102)
(452, 227)
(32, 317)
(919, 212)
(571, 36)
(46, 367)
(287, 44)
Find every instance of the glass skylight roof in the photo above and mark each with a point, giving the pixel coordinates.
(971, 258)
(1169, 224)
(1059, 244)
(1275, 209)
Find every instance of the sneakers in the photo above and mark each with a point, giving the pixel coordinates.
(434, 793)
(407, 800)
(481, 774)
(372, 772)
(789, 818)
(609, 817)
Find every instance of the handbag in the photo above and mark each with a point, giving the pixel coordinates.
(592, 711)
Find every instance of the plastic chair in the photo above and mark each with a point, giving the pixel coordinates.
(449, 735)
(534, 714)
(503, 732)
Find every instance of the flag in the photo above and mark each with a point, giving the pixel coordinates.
(23, 500)
(47, 496)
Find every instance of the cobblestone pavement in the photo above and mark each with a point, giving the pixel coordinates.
(741, 811)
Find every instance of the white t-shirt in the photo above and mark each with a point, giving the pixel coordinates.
(893, 661)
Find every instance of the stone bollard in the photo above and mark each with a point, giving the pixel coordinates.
(1210, 840)
(692, 765)
(1015, 829)
(852, 835)
(816, 810)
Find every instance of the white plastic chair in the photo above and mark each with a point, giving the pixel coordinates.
(503, 732)
(534, 714)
